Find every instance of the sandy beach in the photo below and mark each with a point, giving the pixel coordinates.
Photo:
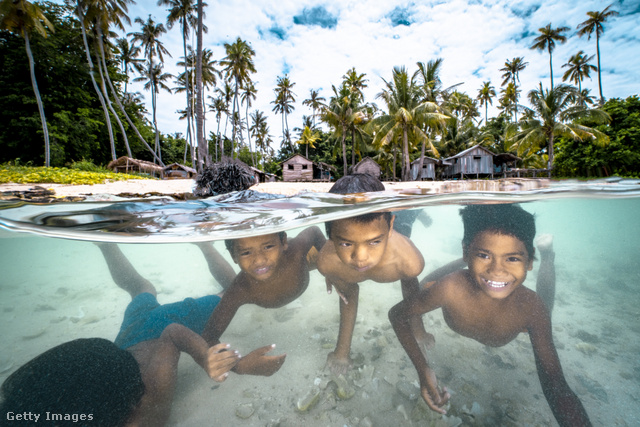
(182, 187)
(55, 290)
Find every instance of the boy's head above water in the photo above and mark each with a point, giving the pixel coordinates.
(356, 183)
(258, 256)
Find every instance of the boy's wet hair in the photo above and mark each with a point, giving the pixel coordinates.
(507, 218)
(230, 242)
(85, 376)
(358, 183)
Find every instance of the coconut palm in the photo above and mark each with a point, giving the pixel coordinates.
(554, 114)
(578, 68)
(547, 40)
(315, 102)
(260, 131)
(511, 74)
(248, 95)
(283, 104)
(509, 100)
(595, 24)
(308, 138)
(155, 80)
(238, 66)
(355, 82)
(218, 106)
(183, 12)
(127, 55)
(485, 95)
(203, 152)
(407, 116)
(22, 17)
(338, 115)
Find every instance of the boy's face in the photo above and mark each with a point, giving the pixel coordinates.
(498, 263)
(361, 246)
(259, 256)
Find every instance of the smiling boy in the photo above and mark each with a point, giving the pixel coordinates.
(488, 303)
(274, 272)
(364, 247)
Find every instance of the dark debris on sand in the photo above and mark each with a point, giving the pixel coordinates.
(223, 177)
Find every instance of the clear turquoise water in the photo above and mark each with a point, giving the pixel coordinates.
(55, 287)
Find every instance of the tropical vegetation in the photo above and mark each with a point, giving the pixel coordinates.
(65, 83)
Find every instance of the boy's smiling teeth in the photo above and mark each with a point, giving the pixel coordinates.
(496, 284)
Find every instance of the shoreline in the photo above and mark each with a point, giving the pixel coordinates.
(183, 188)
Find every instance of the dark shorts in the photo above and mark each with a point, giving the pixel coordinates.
(145, 319)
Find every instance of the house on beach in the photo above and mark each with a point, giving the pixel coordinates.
(368, 166)
(474, 162)
(126, 164)
(428, 170)
(298, 168)
(178, 171)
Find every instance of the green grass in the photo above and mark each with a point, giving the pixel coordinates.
(36, 175)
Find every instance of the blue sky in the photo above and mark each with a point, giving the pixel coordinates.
(317, 42)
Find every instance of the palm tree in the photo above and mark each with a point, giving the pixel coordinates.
(355, 82)
(127, 55)
(315, 102)
(260, 131)
(485, 95)
(595, 24)
(184, 12)
(407, 116)
(238, 66)
(283, 104)
(512, 74)
(308, 138)
(248, 95)
(219, 107)
(155, 80)
(547, 40)
(23, 17)
(509, 100)
(338, 114)
(554, 114)
(578, 68)
(203, 152)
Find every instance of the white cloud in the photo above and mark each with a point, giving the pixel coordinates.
(471, 36)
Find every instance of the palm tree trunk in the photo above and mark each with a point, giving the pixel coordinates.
(93, 80)
(154, 103)
(188, 141)
(550, 164)
(599, 74)
(550, 68)
(344, 152)
(104, 75)
(406, 171)
(202, 147)
(34, 83)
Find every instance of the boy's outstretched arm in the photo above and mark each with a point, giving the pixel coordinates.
(216, 360)
(402, 315)
(339, 361)
(565, 405)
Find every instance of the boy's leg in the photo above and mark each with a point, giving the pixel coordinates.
(220, 269)
(546, 283)
(123, 273)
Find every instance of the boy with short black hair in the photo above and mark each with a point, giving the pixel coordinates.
(364, 247)
(130, 381)
(488, 303)
(274, 271)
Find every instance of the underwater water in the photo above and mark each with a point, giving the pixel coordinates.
(56, 287)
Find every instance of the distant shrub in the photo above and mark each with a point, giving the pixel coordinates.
(87, 166)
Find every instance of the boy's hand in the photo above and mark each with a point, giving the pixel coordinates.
(220, 361)
(256, 363)
(330, 288)
(338, 365)
(432, 395)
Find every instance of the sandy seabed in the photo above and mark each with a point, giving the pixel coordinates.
(55, 290)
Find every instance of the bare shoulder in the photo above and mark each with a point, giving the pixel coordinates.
(411, 260)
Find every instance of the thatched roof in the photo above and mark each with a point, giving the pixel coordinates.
(132, 164)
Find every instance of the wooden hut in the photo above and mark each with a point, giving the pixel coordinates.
(178, 171)
(297, 168)
(428, 170)
(366, 165)
(503, 163)
(322, 171)
(474, 162)
(126, 164)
